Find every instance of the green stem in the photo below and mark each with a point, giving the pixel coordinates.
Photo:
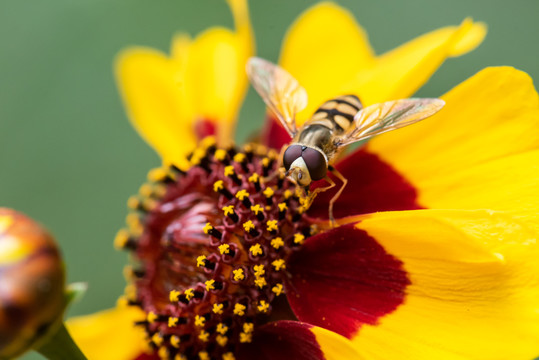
(60, 346)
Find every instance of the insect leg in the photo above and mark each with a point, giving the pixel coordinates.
(338, 194)
(310, 197)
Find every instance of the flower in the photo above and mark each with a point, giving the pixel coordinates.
(31, 283)
(434, 255)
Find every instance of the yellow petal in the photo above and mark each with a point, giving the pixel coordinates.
(480, 151)
(334, 346)
(474, 287)
(322, 49)
(155, 100)
(215, 73)
(109, 334)
(400, 72)
(203, 79)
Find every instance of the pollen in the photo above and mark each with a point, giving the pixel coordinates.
(263, 306)
(189, 294)
(217, 308)
(239, 309)
(259, 270)
(221, 340)
(172, 321)
(260, 282)
(204, 336)
(201, 260)
(278, 264)
(238, 274)
(248, 327)
(151, 317)
(210, 244)
(268, 192)
(224, 249)
(246, 338)
(277, 289)
(277, 243)
(175, 341)
(256, 250)
(222, 328)
(157, 339)
(299, 238)
(210, 285)
(272, 225)
(199, 321)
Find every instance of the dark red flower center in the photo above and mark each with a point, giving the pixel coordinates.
(211, 246)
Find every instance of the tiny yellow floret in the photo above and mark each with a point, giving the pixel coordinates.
(121, 239)
(172, 321)
(222, 328)
(277, 289)
(151, 317)
(163, 353)
(201, 260)
(218, 185)
(221, 340)
(256, 250)
(278, 264)
(238, 274)
(242, 194)
(239, 309)
(228, 210)
(229, 170)
(254, 178)
(203, 355)
(298, 239)
(260, 282)
(174, 295)
(248, 225)
(217, 308)
(272, 225)
(248, 327)
(157, 339)
(259, 270)
(282, 206)
(204, 336)
(239, 157)
(246, 338)
(263, 306)
(207, 228)
(210, 285)
(200, 321)
(268, 192)
(189, 294)
(229, 356)
(220, 154)
(277, 243)
(224, 249)
(180, 357)
(257, 209)
(175, 341)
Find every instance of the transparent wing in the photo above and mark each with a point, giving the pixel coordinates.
(380, 118)
(279, 90)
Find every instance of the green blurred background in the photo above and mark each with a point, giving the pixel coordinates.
(68, 156)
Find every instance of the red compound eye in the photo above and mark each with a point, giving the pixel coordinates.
(316, 163)
(290, 155)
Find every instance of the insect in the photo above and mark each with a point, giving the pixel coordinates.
(338, 122)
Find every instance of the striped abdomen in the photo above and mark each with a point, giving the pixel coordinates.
(337, 114)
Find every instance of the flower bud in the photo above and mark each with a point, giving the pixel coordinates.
(31, 282)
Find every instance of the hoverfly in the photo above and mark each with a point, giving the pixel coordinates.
(338, 122)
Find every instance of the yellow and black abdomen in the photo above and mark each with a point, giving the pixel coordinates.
(337, 114)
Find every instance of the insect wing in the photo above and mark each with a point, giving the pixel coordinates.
(279, 90)
(380, 118)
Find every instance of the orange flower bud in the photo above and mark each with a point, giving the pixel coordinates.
(31, 282)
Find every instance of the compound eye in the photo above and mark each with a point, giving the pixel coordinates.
(290, 155)
(316, 163)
